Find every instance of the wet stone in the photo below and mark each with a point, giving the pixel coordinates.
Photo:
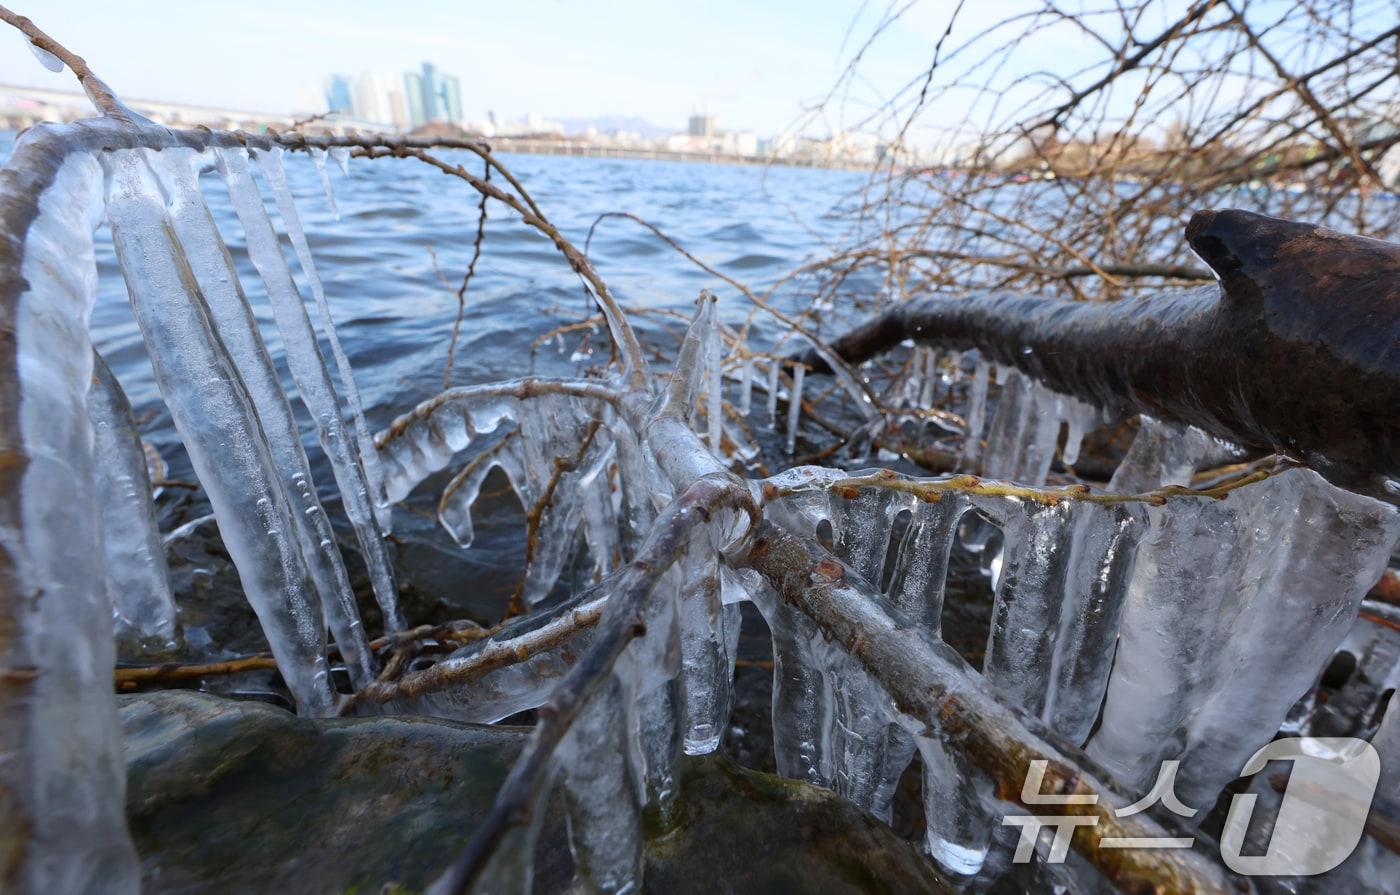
(231, 796)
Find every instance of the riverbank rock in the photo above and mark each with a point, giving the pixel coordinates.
(230, 796)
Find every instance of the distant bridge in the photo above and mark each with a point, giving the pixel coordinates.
(24, 106)
(21, 107)
(536, 146)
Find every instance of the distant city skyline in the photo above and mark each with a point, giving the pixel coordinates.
(754, 67)
(408, 100)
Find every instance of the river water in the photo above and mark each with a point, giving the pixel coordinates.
(395, 315)
(391, 262)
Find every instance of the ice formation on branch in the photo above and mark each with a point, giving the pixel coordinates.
(233, 319)
(313, 381)
(219, 426)
(62, 774)
(138, 582)
(1140, 622)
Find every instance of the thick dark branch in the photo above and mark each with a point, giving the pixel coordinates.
(1298, 352)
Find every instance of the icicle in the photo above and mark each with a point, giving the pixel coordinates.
(1023, 433)
(602, 792)
(744, 447)
(957, 821)
(799, 373)
(1007, 433)
(714, 398)
(976, 417)
(46, 59)
(911, 384)
(270, 163)
(929, 377)
(704, 660)
(341, 156)
(318, 158)
(1311, 573)
(869, 751)
(860, 400)
(921, 566)
(600, 513)
(312, 378)
(137, 579)
(773, 368)
(219, 427)
(549, 469)
(746, 387)
(658, 710)
(237, 328)
(557, 534)
(1233, 608)
(1103, 549)
(1161, 454)
(1059, 597)
(955, 361)
(1026, 611)
(63, 773)
(1033, 467)
(801, 706)
(1080, 418)
(455, 506)
(642, 489)
(861, 528)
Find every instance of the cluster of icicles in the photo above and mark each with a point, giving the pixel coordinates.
(1139, 632)
(1186, 630)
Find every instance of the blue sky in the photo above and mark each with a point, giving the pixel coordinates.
(751, 64)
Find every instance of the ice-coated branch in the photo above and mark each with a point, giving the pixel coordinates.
(424, 440)
(929, 683)
(695, 508)
(425, 638)
(102, 97)
(931, 489)
(1294, 351)
(520, 389)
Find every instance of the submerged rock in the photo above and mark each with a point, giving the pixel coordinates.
(230, 796)
(744, 831)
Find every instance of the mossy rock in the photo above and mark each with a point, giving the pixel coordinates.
(230, 796)
(226, 796)
(744, 831)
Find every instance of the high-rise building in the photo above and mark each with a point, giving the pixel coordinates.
(338, 97)
(374, 99)
(413, 97)
(452, 98)
(442, 95)
(702, 126)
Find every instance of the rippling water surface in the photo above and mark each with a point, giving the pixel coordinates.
(395, 314)
(394, 309)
